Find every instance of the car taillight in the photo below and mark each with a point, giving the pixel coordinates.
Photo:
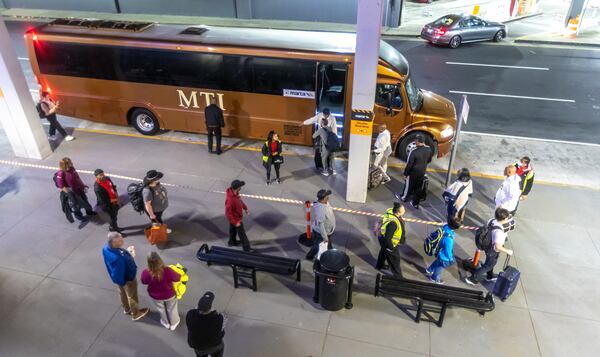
(440, 31)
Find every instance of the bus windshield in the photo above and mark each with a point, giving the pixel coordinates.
(415, 98)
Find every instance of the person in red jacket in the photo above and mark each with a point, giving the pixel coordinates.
(234, 211)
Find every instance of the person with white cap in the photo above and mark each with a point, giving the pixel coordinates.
(323, 222)
(206, 328)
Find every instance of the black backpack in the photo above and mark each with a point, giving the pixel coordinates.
(134, 191)
(40, 111)
(483, 237)
(332, 141)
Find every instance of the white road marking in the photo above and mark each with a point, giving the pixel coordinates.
(514, 96)
(529, 138)
(498, 65)
(23, 59)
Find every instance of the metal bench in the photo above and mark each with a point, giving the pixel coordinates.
(246, 264)
(425, 292)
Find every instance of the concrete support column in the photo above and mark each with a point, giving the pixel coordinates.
(18, 115)
(368, 33)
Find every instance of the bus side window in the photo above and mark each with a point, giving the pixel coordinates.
(388, 95)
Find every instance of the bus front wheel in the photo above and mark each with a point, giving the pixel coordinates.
(407, 144)
(144, 121)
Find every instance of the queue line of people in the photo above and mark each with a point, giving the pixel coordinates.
(392, 234)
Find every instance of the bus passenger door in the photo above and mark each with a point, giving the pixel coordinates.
(390, 108)
(331, 92)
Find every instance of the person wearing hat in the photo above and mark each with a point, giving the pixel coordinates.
(108, 198)
(391, 235)
(234, 211)
(155, 197)
(323, 222)
(206, 328)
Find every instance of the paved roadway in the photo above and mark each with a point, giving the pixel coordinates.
(563, 81)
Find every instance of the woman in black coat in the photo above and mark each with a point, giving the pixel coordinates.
(271, 155)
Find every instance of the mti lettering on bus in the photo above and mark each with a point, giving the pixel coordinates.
(192, 101)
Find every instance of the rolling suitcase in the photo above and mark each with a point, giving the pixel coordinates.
(507, 281)
(375, 177)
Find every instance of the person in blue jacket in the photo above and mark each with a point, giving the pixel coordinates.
(122, 270)
(445, 256)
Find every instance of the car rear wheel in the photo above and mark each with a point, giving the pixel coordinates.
(455, 42)
(499, 36)
(144, 121)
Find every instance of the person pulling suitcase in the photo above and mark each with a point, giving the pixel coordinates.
(492, 243)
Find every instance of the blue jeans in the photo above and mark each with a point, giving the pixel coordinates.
(437, 267)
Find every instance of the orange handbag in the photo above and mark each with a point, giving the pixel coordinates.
(157, 234)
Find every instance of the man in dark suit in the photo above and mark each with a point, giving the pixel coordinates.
(213, 116)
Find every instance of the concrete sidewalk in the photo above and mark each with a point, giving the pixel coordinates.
(411, 27)
(58, 300)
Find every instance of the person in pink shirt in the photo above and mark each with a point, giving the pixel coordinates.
(160, 279)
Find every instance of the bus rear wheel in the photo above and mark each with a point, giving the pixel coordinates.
(407, 144)
(144, 121)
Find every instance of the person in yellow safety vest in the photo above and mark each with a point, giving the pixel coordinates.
(271, 155)
(527, 174)
(391, 235)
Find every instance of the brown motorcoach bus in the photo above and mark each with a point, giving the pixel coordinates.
(155, 76)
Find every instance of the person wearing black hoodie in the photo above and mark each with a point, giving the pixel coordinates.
(206, 328)
(414, 173)
(213, 117)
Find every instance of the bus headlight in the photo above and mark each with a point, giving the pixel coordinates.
(446, 133)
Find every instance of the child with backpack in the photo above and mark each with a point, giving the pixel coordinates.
(441, 244)
(328, 146)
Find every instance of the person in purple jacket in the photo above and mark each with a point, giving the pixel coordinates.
(160, 279)
(445, 256)
(67, 179)
(122, 270)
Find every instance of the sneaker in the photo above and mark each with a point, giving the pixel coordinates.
(52, 137)
(278, 181)
(142, 312)
(428, 272)
(470, 282)
(324, 173)
(416, 206)
(173, 327)
(126, 312)
(492, 279)
(268, 182)
(439, 282)
(333, 172)
(69, 138)
(169, 231)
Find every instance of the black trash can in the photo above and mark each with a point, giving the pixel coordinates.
(333, 280)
